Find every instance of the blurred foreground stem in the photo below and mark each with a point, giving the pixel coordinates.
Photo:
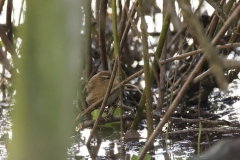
(47, 82)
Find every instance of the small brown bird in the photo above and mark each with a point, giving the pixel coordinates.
(97, 88)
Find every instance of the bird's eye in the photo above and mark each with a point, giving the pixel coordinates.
(106, 77)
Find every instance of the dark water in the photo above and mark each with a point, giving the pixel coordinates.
(176, 146)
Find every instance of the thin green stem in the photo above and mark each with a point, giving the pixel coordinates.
(114, 23)
(146, 70)
(158, 52)
(199, 137)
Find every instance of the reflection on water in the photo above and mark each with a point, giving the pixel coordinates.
(5, 131)
(107, 143)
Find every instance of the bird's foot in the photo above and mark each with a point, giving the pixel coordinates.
(108, 117)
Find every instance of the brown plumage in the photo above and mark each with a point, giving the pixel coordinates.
(97, 87)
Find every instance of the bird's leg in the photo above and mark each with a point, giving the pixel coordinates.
(111, 111)
(113, 108)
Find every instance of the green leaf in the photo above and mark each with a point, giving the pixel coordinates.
(117, 112)
(95, 113)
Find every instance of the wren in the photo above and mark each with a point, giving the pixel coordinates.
(97, 88)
